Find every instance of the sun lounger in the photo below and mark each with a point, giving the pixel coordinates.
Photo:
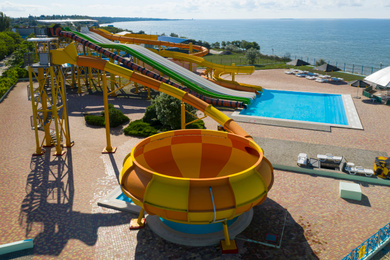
(302, 159)
(329, 157)
(321, 80)
(352, 169)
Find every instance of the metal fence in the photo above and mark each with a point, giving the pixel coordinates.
(346, 67)
(368, 247)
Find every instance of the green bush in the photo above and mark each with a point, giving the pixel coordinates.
(95, 120)
(140, 128)
(150, 116)
(8, 79)
(251, 55)
(196, 125)
(320, 62)
(7, 43)
(116, 116)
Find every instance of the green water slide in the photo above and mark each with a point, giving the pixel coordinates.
(245, 98)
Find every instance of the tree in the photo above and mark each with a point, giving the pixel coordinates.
(251, 55)
(168, 111)
(236, 43)
(223, 44)
(215, 45)
(174, 35)
(247, 45)
(4, 22)
(8, 44)
(206, 44)
(256, 46)
(232, 48)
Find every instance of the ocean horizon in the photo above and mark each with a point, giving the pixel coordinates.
(356, 42)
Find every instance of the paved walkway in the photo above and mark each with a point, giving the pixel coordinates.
(54, 199)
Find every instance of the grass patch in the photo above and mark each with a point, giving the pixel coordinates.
(239, 59)
(266, 62)
(336, 74)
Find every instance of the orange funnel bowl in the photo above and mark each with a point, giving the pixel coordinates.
(196, 176)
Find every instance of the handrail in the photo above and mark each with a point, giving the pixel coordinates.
(370, 247)
(212, 199)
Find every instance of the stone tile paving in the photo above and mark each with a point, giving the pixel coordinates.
(62, 217)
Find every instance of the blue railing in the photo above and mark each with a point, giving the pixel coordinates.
(366, 248)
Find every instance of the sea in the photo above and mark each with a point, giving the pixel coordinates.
(360, 42)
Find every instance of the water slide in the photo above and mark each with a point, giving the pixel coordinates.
(188, 176)
(171, 69)
(193, 57)
(132, 66)
(201, 51)
(217, 70)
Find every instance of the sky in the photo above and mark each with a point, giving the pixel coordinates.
(202, 9)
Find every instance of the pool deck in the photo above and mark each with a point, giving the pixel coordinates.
(54, 199)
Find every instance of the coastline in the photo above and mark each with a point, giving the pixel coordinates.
(298, 37)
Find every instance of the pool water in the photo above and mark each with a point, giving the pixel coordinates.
(300, 106)
(124, 198)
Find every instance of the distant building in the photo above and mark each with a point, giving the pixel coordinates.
(24, 32)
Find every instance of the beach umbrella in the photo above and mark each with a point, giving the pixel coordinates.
(327, 68)
(381, 77)
(298, 62)
(359, 83)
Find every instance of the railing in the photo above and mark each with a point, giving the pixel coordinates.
(346, 67)
(368, 247)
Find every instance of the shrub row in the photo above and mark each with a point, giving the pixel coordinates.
(8, 79)
(116, 116)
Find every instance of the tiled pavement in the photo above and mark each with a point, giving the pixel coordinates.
(53, 199)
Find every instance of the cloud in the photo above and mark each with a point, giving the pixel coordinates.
(12, 7)
(200, 9)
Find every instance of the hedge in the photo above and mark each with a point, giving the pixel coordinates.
(116, 116)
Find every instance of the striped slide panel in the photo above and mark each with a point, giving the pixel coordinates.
(217, 115)
(174, 92)
(249, 189)
(167, 197)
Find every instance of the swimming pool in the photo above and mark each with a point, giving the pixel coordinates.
(299, 106)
